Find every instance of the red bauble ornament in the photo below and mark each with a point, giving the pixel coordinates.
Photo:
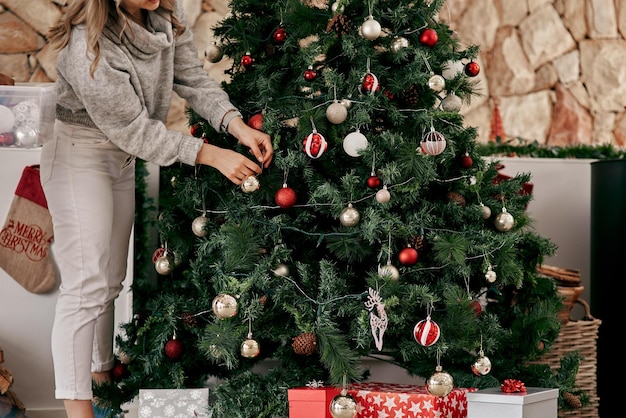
(159, 252)
(285, 197)
(196, 131)
(279, 35)
(314, 145)
(174, 349)
(373, 182)
(247, 61)
(408, 256)
(256, 121)
(466, 161)
(7, 138)
(426, 332)
(310, 74)
(119, 371)
(472, 69)
(477, 307)
(369, 84)
(429, 37)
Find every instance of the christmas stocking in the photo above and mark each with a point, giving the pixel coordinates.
(26, 236)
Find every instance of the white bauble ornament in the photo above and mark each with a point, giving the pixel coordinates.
(452, 103)
(354, 142)
(7, 119)
(383, 195)
(336, 113)
(504, 221)
(337, 7)
(433, 143)
(451, 69)
(491, 276)
(250, 184)
(347, 103)
(224, 306)
(482, 365)
(370, 29)
(281, 270)
(349, 216)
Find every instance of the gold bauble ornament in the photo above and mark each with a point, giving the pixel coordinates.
(490, 276)
(224, 306)
(250, 184)
(214, 53)
(485, 211)
(164, 265)
(343, 406)
(198, 226)
(399, 43)
(349, 216)
(504, 221)
(482, 365)
(389, 271)
(250, 348)
(436, 83)
(440, 383)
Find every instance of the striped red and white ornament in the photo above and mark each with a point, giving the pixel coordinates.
(426, 332)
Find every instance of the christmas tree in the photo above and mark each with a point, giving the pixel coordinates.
(378, 231)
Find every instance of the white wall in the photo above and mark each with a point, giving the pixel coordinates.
(561, 208)
(26, 318)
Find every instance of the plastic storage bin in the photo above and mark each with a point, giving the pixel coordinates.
(27, 112)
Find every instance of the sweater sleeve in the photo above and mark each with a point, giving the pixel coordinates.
(191, 81)
(117, 108)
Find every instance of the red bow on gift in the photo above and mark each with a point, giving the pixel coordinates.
(512, 386)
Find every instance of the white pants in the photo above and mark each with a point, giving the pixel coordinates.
(90, 188)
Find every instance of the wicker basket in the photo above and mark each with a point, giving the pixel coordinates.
(579, 335)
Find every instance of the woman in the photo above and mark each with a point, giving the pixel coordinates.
(118, 64)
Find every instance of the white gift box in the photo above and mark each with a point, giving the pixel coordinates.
(174, 403)
(493, 403)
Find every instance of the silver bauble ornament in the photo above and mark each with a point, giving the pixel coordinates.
(198, 226)
(440, 383)
(436, 83)
(485, 211)
(214, 53)
(354, 142)
(383, 195)
(281, 270)
(452, 103)
(26, 137)
(349, 216)
(250, 184)
(370, 29)
(336, 113)
(224, 306)
(343, 406)
(389, 271)
(250, 348)
(399, 43)
(491, 276)
(164, 264)
(482, 365)
(504, 221)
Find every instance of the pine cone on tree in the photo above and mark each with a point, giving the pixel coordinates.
(339, 24)
(190, 319)
(572, 400)
(305, 344)
(410, 97)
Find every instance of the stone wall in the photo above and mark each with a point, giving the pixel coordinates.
(553, 70)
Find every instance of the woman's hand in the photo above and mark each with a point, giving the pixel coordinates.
(234, 166)
(259, 143)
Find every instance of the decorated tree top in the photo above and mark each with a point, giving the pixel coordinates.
(378, 231)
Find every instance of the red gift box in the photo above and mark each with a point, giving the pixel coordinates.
(392, 400)
(311, 402)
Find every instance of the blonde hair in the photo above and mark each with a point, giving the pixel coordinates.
(95, 14)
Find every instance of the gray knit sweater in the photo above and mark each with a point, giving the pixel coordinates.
(129, 97)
